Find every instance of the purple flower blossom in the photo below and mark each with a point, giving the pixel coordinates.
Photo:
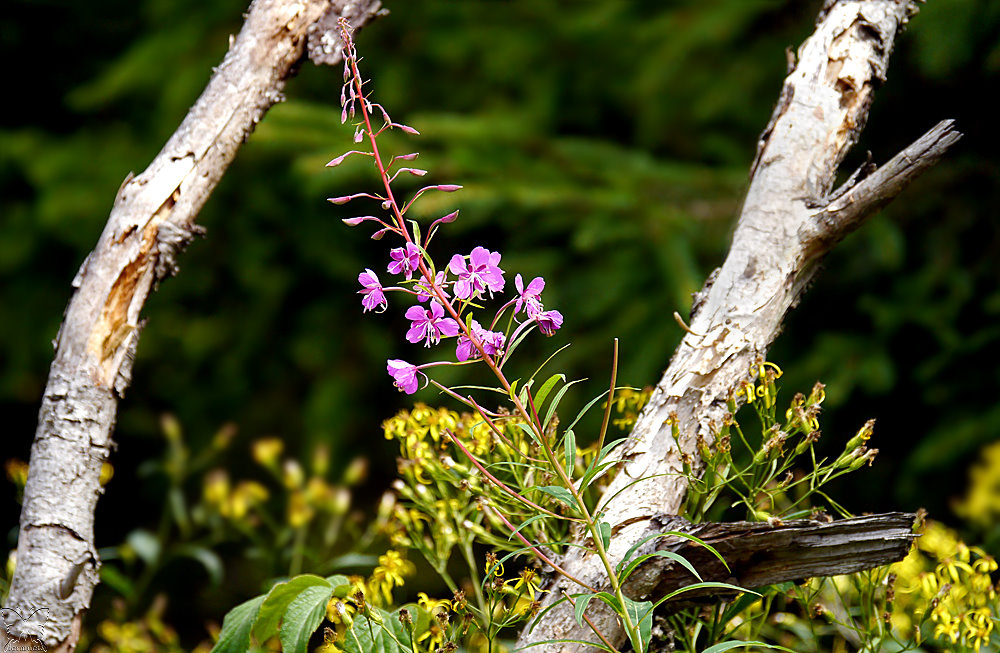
(530, 297)
(491, 341)
(424, 292)
(404, 375)
(548, 321)
(429, 325)
(481, 273)
(405, 261)
(374, 297)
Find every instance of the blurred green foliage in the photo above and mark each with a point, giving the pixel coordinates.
(602, 145)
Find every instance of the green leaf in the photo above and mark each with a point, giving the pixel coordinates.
(278, 600)
(341, 585)
(145, 545)
(235, 634)
(582, 601)
(303, 617)
(676, 557)
(209, 560)
(368, 636)
(543, 392)
(728, 646)
(704, 585)
(641, 614)
(569, 442)
(527, 521)
(560, 493)
(555, 402)
(605, 528)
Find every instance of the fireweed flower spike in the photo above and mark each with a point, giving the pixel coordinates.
(530, 297)
(549, 321)
(404, 375)
(491, 341)
(429, 324)
(405, 261)
(481, 273)
(374, 297)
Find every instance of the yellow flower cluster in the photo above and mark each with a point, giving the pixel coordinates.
(629, 402)
(950, 583)
(981, 505)
(146, 635)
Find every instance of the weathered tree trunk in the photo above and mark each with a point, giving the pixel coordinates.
(791, 218)
(151, 222)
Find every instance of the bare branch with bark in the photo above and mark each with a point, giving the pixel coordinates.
(152, 220)
(790, 219)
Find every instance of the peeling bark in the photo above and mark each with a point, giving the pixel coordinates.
(151, 222)
(789, 221)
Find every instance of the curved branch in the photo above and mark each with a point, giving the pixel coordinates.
(151, 221)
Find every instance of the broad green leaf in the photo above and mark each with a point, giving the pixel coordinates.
(341, 585)
(560, 493)
(304, 615)
(235, 634)
(367, 636)
(605, 528)
(543, 392)
(569, 441)
(641, 614)
(278, 600)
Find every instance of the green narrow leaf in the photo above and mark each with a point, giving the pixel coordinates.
(560, 493)
(555, 402)
(728, 646)
(235, 634)
(676, 557)
(208, 559)
(303, 617)
(582, 601)
(278, 600)
(543, 392)
(569, 440)
(605, 534)
(529, 520)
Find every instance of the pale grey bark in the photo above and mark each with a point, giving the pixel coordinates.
(789, 221)
(151, 221)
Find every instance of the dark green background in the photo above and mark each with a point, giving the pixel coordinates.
(603, 145)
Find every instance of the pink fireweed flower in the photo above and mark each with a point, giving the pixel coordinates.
(429, 324)
(481, 273)
(424, 291)
(405, 261)
(530, 297)
(374, 297)
(491, 341)
(548, 321)
(404, 375)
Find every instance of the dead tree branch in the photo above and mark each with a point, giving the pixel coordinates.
(151, 221)
(790, 220)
